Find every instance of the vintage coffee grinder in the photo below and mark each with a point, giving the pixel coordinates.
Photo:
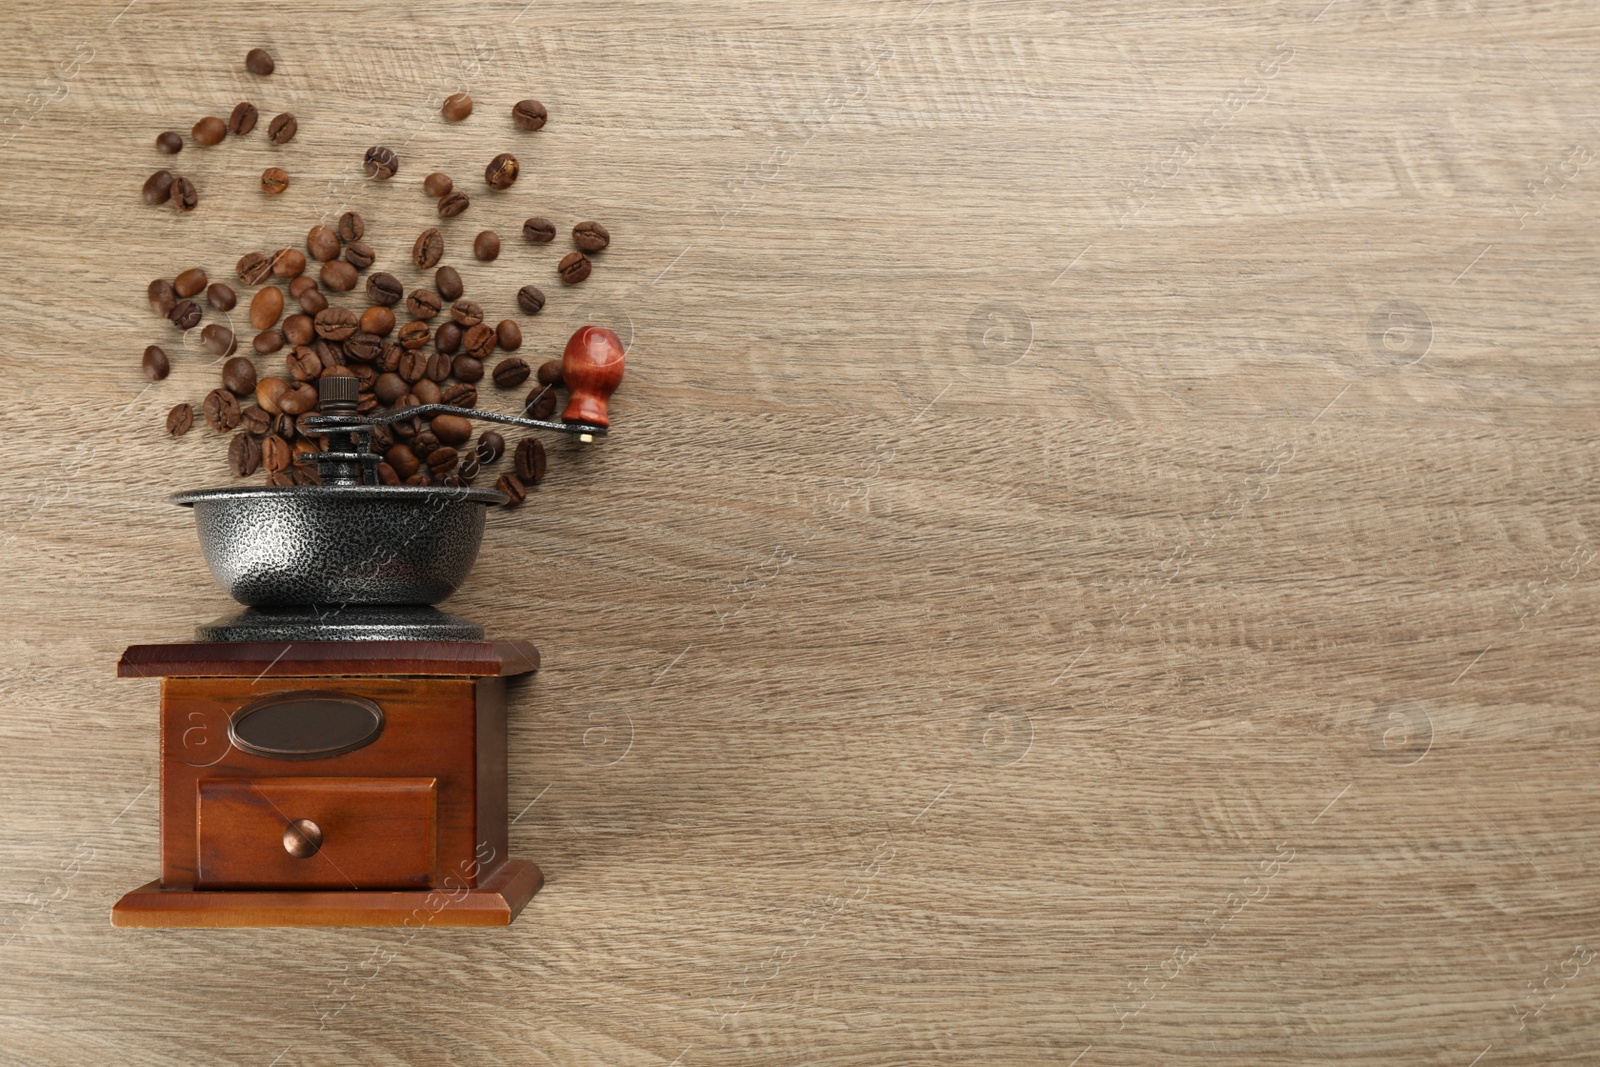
(335, 754)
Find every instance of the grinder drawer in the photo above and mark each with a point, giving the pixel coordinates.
(316, 833)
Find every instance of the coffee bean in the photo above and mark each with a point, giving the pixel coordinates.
(179, 419)
(425, 389)
(437, 184)
(298, 399)
(448, 281)
(486, 246)
(339, 276)
(413, 335)
(219, 340)
(549, 372)
(299, 329)
(267, 342)
(300, 286)
(529, 114)
(221, 409)
(265, 307)
(185, 314)
(275, 453)
(209, 131)
(156, 364)
(540, 403)
(448, 337)
(243, 119)
(311, 299)
(453, 203)
(274, 180)
(359, 255)
(423, 304)
(244, 455)
(590, 236)
(335, 324)
(390, 387)
(169, 143)
(184, 195)
(479, 341)
(288, 263)
(512, 487)
(491, 446)
(470, 463)
(363, 347)
(163, 297)
(268, 390)
(352, 227)
(303, 475)
(282, 128)
(303, 364)
(330, 353)
(322, 243)
(414, 365)
(253, 268)
(378, 321)
(255, 420)
(389, 358)
(239, 376)
(501, 171)
(190, 281)
(384, 288)
(531, 299)
(466, 368)
(538, 230)
(443, 460)
(438, 367)
(574, 267)
(509, 334)
(158, 187)
(459, 394)
(429, 247)
(380, 163)
(222, 297)
(403, 460)
(456, 107)
(258, 61)
(511, 372)
(530, 460)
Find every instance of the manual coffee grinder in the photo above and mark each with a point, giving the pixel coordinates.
(335, 754)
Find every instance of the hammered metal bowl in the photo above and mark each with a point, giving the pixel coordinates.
(340, 544)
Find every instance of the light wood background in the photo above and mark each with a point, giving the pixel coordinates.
(1096, 565)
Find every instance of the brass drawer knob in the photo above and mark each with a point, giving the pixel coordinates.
(302, 838)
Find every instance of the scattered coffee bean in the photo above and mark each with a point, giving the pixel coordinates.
(425, 389)
(169, 143)
(466, 312)
(221, 296)
(243, 119)
(335, 324)
(448, 337)
(511, 372)
(339, 276)
(443, 460)
(190, 281)
(456, 107)
(329, 353)
(359, 255)
(239, 376)
(158, 187)
(470, 463)
(244, 455)
(459, 394)
(530, 298)
(363, 347)
(538, 230)
(384, 288)
(300, 286)
(303, 365)
(529, 114)
(299, 329)
(530, 460)
(219, 340)
(180, 419)
(378, 321)
(501, 171)
(209, 131)
(322, 243)
(255, 420)
(352, 227)
(453, 203)
(274, 180)
(380, 163)
(163, 297)
(512, 487)
(390, 387)
(267, 342)
(298, 399)
(467, 369)
(185, 315)
(448, 281)
(403, 460)
(438, 367)
(491, 446)
(288, 263)
(156, 364)
(486, 246)
(282, 128)
(253, 268)
(265, 307)
(549, 372)
(275, 453)
(413, 365)
(221, 409)
(311, 299)
(480, 341)
(540, 403)
(428, 249)
(437, 184)
(413, 335)
(590, 236)
(184, 195)
(259, 61)
(422, 303)
(509, 334)
(574, 267)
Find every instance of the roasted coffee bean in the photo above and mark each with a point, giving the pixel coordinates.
(299, 329)
(590, 236)
(339, 276)
(190, 281)
(158, 187)
(284, 426)
(221, 296)
(511, 372)
(267, 342)
(281, 478)
(380, 163)
(303, 364)
(452, 430)
(156, 364)
(549, 372)
(322, 243)
(302, 285)
(413, 365)
(288, 263)
(453, 203)
(466, 312)
(539, 230)
(403, 460)
(426, 390)
(389, 358)
(509, 335)
(244, 455)
(163, 297)
(429, 247)
(530, 460)
(486, 246)
(530, 298)
(423, 442)
(574, 267)
(363, 347)
(274, 180)
(378, 321)
(352, 227)
(448, 281)
(265, 307)
(491, 446)
(219, 340)
(255, 420)
(456, 107)
(501, 171)
(437, 184)
(259, 61)
(540, 403)
(268, 391)
(447, 338)
(479, 341)
(423, 304)
(335, 324)
(469, 467)
(185, 314)
(185, 196)
(386, 474)
(209, 131)
(253, 268)
(366, 377)
(390, 387)
(221, 410)
(413, 335)
(512, 487)
(282, 128)
(298, 399)
(331, 353)
(239, 376)
(336, 370)
(312, 301)
(467, 369)
(359, 254)
(243, 119)
(459, 394)
(381, 438)
(304, 475)
(384, 288)
(443, 460)
(179, 419)
(275, 454)
(529, 114)
(169, 143)
(438, 367)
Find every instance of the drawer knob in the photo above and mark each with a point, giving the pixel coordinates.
(302, 838)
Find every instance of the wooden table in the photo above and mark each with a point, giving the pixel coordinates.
(1096, 564)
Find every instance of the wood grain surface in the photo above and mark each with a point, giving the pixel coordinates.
(1095, 563)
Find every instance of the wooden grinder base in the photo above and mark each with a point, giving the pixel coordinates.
(409, 828)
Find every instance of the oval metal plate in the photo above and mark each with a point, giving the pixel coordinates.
(309, 725)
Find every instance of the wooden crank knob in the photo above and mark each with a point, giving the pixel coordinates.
(591, 367)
